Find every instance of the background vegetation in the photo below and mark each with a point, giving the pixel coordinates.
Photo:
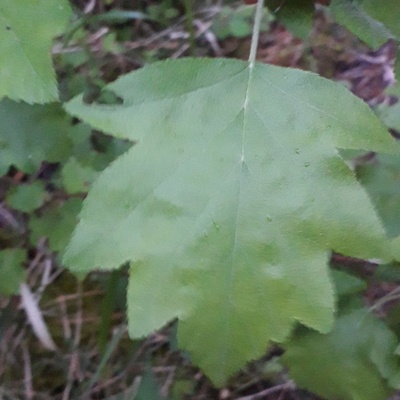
(66, 338)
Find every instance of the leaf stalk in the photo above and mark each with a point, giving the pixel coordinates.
(256, 32)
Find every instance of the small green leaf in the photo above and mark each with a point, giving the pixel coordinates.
(390, 115)
(239, 27)
(11, 271)
(388, 272)
(381, 179)
(26, 31)
(182, 387)
(231, 203)
(56, 223)
(238, 22)
(76, 177)
(30, 134)
(297, 16)
(355, 361)
(372, 21)
(347, 284)
(387, 15)
(27, 198)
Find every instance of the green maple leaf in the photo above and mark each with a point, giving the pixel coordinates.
(26, 31)
(230, 202)
(31, 134)
(356, 361)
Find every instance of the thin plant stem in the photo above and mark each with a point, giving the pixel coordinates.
(393, 295)
(189, 25)
(256, 32)
(266, 392)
